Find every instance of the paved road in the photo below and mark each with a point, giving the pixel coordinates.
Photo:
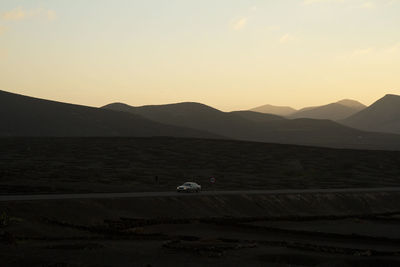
(204, 193)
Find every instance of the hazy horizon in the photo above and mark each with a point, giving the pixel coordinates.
(227, 55)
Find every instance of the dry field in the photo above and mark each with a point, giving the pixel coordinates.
(239, 230)
(48, 165)
(332, 229)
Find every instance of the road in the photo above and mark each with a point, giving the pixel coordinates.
(204, 193)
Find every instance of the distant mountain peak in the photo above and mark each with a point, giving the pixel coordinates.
(186, 104)
(115, 104)
(351, 103)
(275, 110)
(333, 111)
(381, 116)
(391, 96)
(389, 100)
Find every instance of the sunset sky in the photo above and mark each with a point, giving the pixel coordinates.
(230, 54)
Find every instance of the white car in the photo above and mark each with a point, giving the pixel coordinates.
(189, 187)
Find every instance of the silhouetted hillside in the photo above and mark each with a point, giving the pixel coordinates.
(255, 126)
(256, 116)
(352, 104)
(334, 111)
(381, 116)
(28, 116)
(276, 110)
(188, 113)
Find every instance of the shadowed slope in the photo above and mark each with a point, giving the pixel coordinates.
(28, 116)
(192, 115)
(277, 110)
(253, 126)
(334, 111)
(256, 116)
(381, 116)
(187, 114)
(352, 104)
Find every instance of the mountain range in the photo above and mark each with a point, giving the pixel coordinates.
(28, 116)
(254, 126)
(277, 110)
(381, 116)
(333, 111)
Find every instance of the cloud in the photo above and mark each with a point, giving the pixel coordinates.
(355, 3)
(2, 29)
(378, 52)
(239, 23)
(253, 8)
(273, 28)
(51, 14)
(286, 38)
(310, 2)
(367, 5)
(363, 51)
(393, 49)
(392, 2)
(20, 13)
(15, 14)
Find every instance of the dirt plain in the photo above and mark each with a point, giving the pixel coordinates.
(329, 229)
(73, 165)
(335, 229)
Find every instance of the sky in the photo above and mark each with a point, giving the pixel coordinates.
(229, 54)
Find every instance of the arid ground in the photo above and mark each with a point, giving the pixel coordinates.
(67, 165)
(318, 229)
(335, 229)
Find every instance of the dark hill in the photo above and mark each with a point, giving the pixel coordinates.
(28, 116)
(352, 103)
(192, 115)
(255, 126)
(381, 116)
(186, 114)
(256, 116)
(276, 110)
(334, 111)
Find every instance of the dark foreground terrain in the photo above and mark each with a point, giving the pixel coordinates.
(73, 165)
(320, 229)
